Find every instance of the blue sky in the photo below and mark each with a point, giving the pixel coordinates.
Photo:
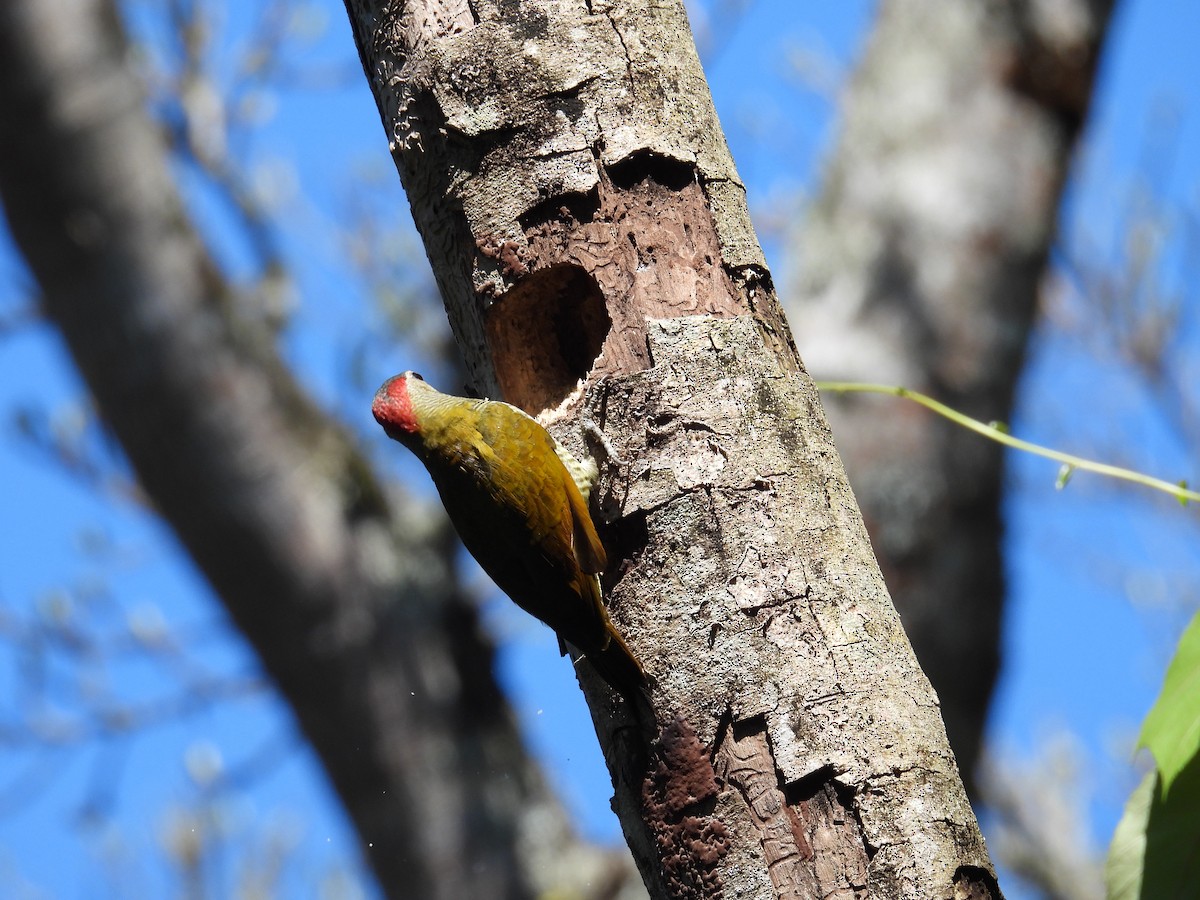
(1079, 654)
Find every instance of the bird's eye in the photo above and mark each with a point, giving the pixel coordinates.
(416, 375)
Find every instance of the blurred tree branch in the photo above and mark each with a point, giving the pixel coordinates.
(920, 264)
(348, 596)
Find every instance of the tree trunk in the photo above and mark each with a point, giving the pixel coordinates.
(920, 265)
(347, 597)
(586, 224)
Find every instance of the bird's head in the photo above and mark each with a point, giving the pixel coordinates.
(394, 406)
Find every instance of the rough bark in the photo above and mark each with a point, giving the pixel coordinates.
(920, 265)
(347, 597)
(586, 224)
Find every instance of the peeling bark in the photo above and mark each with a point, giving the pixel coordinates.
(590, 237)
(811, 839)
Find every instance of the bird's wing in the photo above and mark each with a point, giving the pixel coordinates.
(538, 540)
(584, 540)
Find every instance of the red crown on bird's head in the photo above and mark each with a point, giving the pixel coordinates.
(393, 407)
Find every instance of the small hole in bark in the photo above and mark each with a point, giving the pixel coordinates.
(626, 540)
(545, 335)
(638, 167)
(575, 207)
(809, 786)
(743, 728)
(973, 881)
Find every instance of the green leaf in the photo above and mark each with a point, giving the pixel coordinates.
(1172, 728)
(1127, 852)
(1155, 851)
(1064, 475)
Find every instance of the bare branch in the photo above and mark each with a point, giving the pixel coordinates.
(349, 600)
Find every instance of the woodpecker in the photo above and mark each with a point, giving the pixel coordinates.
(518, 500)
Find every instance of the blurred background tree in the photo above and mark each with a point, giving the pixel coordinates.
(908, 163)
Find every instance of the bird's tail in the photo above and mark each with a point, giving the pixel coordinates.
(608, 653)
(617, 665)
